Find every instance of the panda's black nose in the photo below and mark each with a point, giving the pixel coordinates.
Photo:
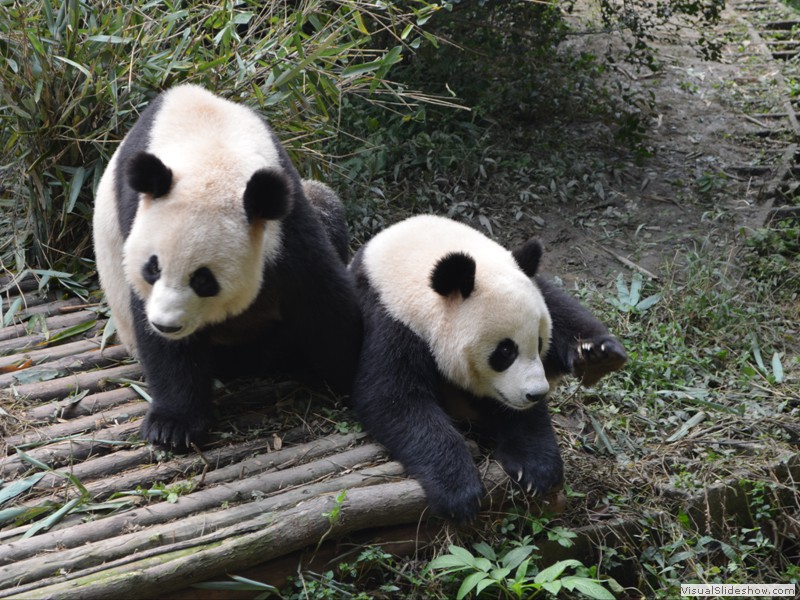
(166, 328)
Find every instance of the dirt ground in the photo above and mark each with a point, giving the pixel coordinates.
(714, 165)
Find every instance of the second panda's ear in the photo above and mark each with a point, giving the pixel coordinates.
(454, 272)
(148, 175)
(528, 256)
(267, 195)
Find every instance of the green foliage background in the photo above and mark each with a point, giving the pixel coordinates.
(75, 75)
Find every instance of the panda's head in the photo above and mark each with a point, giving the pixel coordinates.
(493, 326)
(196, 251)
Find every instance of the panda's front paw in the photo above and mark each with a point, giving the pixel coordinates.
(536, 473)
(175, 432)
(459, 504)
(596, 357)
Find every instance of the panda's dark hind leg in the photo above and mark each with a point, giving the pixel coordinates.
(580, 344)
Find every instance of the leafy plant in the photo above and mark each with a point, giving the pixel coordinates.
(514, 574)
(629, 298)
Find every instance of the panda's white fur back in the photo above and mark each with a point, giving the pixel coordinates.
(212, 146)
(505, 302)
(108, 242)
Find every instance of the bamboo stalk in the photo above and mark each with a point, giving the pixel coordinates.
(217, 461)
(94, 422)
(64, 386)
(246, 544)
(69, 451)
(95, 557)
(68, 363)
(44, 354)
(88, 405)
(270, 479)
(16, 337)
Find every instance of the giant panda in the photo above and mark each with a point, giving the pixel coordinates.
(213, 255)
(456, 325)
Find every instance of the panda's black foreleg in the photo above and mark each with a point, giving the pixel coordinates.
(526, 446)
(580, 344)
(179, 381)
(395, 397)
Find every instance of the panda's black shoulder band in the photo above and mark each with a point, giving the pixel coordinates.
(148, 175)
(454, 272)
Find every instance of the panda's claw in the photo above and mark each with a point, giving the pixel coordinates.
(596, 358)
(519, 475)
(530, 486)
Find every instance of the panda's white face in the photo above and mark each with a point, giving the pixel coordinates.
(491, 343)
(194, 265)
(484, 319)
(210, 202)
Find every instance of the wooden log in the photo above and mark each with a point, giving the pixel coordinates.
(93, 557)
(18, 285)
(29, 299)
(63, 429)
(271, 479)
(66, 364)
(15, 337)
(64, 386)
(46, 354)
(69, 451)
(246, 544)
(215, 465)
(88, 405)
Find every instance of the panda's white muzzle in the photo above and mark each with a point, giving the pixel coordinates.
(170, 311)
(522, 385)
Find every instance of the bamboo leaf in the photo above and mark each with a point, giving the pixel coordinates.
(20, 486)
(69, 332)
(53, 519)
(78, 66)
(37, 375)
(75, 188)
(11, 312)
(777, 367)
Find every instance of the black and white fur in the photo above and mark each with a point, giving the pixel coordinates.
(454, 321)
(213, 254)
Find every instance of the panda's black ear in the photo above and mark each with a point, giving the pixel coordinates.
(454, 272)
(528, 256)
(148, 175)
(267, 195)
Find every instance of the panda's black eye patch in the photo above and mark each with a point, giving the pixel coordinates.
(151, 271)
(504, 355)
(204, 283)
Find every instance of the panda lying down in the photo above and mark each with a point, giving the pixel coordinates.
(453, 319)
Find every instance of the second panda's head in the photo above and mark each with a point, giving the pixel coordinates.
(494, 327)
(196, 250)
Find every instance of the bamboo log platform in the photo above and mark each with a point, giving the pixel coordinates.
(88, 510)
